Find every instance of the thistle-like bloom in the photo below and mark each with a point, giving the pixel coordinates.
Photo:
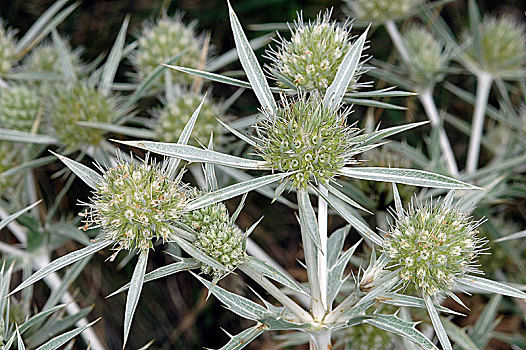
(135, 204)
(427, 55)
(433, 244)
(163, 39)
(80, 102)
(45, 58)
(313, 55)
(307, 137)
(502, 42)
(367, 337)
(7, 49)
(172, 118)
(381, 10)
(19, 107)
(217, 236)
(9, 157)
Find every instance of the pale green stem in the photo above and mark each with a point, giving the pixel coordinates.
(322, 340)
(322, 253)
(398, 42)
(484, 81)
(290, 304)
(335, 314)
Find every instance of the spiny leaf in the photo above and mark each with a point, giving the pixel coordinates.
(134, 293)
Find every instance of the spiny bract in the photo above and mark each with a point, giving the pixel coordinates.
(45, 58)
(217, 237)
(163, 39)
(135, 204)
(7, 49)
(19, 107)
(381, 10)
(502, 44)
(433, 244)
(306, 137)
(172, 118)
(310, 60)
(79, 102)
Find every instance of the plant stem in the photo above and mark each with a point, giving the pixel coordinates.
(322, 340)
(432, 113)
(484, 81)
(297, 310)
(322, 253)
(397, 40)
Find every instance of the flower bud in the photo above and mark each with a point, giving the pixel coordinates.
(381, 10)
(45, 58)
(19, 107)
(7, 49)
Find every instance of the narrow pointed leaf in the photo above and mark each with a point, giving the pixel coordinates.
(384, 133)
(89, 176)
(134, 293)
(212, 76)
(198, 254)
(516, 235)
(308, 217)
(335, 244)
(239, 134)
(437, 325)
(110, 67)
(27, 137)
(64, 57)
(458, 335)
(239, 341)
(62, 339)
(335, 278)
(20, 342)
(119, 129)
(13, 217)
(487, 285)
(36, 319)
(396, 299)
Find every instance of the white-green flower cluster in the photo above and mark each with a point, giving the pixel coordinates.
(7, 49)
(433, 244)
(172, 118)
(19, 107)
(163, 39)
(9, 157)
(46, 58)
(501, 45)
(381, 10)
(367, 337)
(217, 237)
(308, 138)
(79, 102)
(427, 55)
(313, 55)
(134, 204)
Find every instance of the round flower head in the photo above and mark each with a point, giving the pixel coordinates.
(306, 137)
(79, 102)
(367, 337)
(45, 58)
(502, 42)
(381, 10)
(7, 49)
(313, 55)
(19, 107)
(433, 244)
(427, 55)
(163, 39)
(217, 237)
(10, 156)
(134, 204)
(172, 118)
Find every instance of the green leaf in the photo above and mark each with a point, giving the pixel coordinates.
(194, 252)
(36, 319)
(240, 135)
(111, 66)
(211, 178)
(335, 92)
(437, 325)
(239, 341)
(458, 335)
(396, 299)
(345, 198)
(62, 262)
(89, 176)
(516, 235)
(251, 66)
(335, 244)
(484, 326)
(194, 154)
(134, 293)
(119, 129)
(62, 339)
(374, 103)
(308, 217)
(407, 177)
(382, 134)
(335, 278)
(20, 342)
(212, 76)
(234, 190)
(487, 285)
(14, 216)
(64, 57)
(27, 137)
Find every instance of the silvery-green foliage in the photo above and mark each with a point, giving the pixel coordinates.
(381, 10)
(7, 48)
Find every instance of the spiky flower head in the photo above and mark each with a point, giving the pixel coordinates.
(163, 39)
(80, 102)
(313, 55)
(367, 337)
(381, 10)
(501, 45)
(10, 156)
(217, 236)
(134, 204)
(7, 48)
(433, 244)
(46, 58)
(308, 138)
(19, 107)
(171, 119)
(428, 56)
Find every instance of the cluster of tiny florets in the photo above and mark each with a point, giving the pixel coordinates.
(10, 156)
(19, 107)
(7, 49)
(217, 237)
(308, 138)
(310, 60)
(135, 204)
(427, 55)
(46, 58)
(367, 337)
(79, 102)
(172, 118)
(163, 39)
(502, 44)
(433, 245)
(381, 10)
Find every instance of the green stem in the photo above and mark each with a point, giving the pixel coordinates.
(322, 253)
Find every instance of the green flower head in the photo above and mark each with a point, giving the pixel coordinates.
(308, 138)
(45, 58)
(134, 204)
(19, 107)
(163, 39)
(433, 244)
(10, 156)
(367, 337)
(381, 10)
(7, 48)
(310, 60)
